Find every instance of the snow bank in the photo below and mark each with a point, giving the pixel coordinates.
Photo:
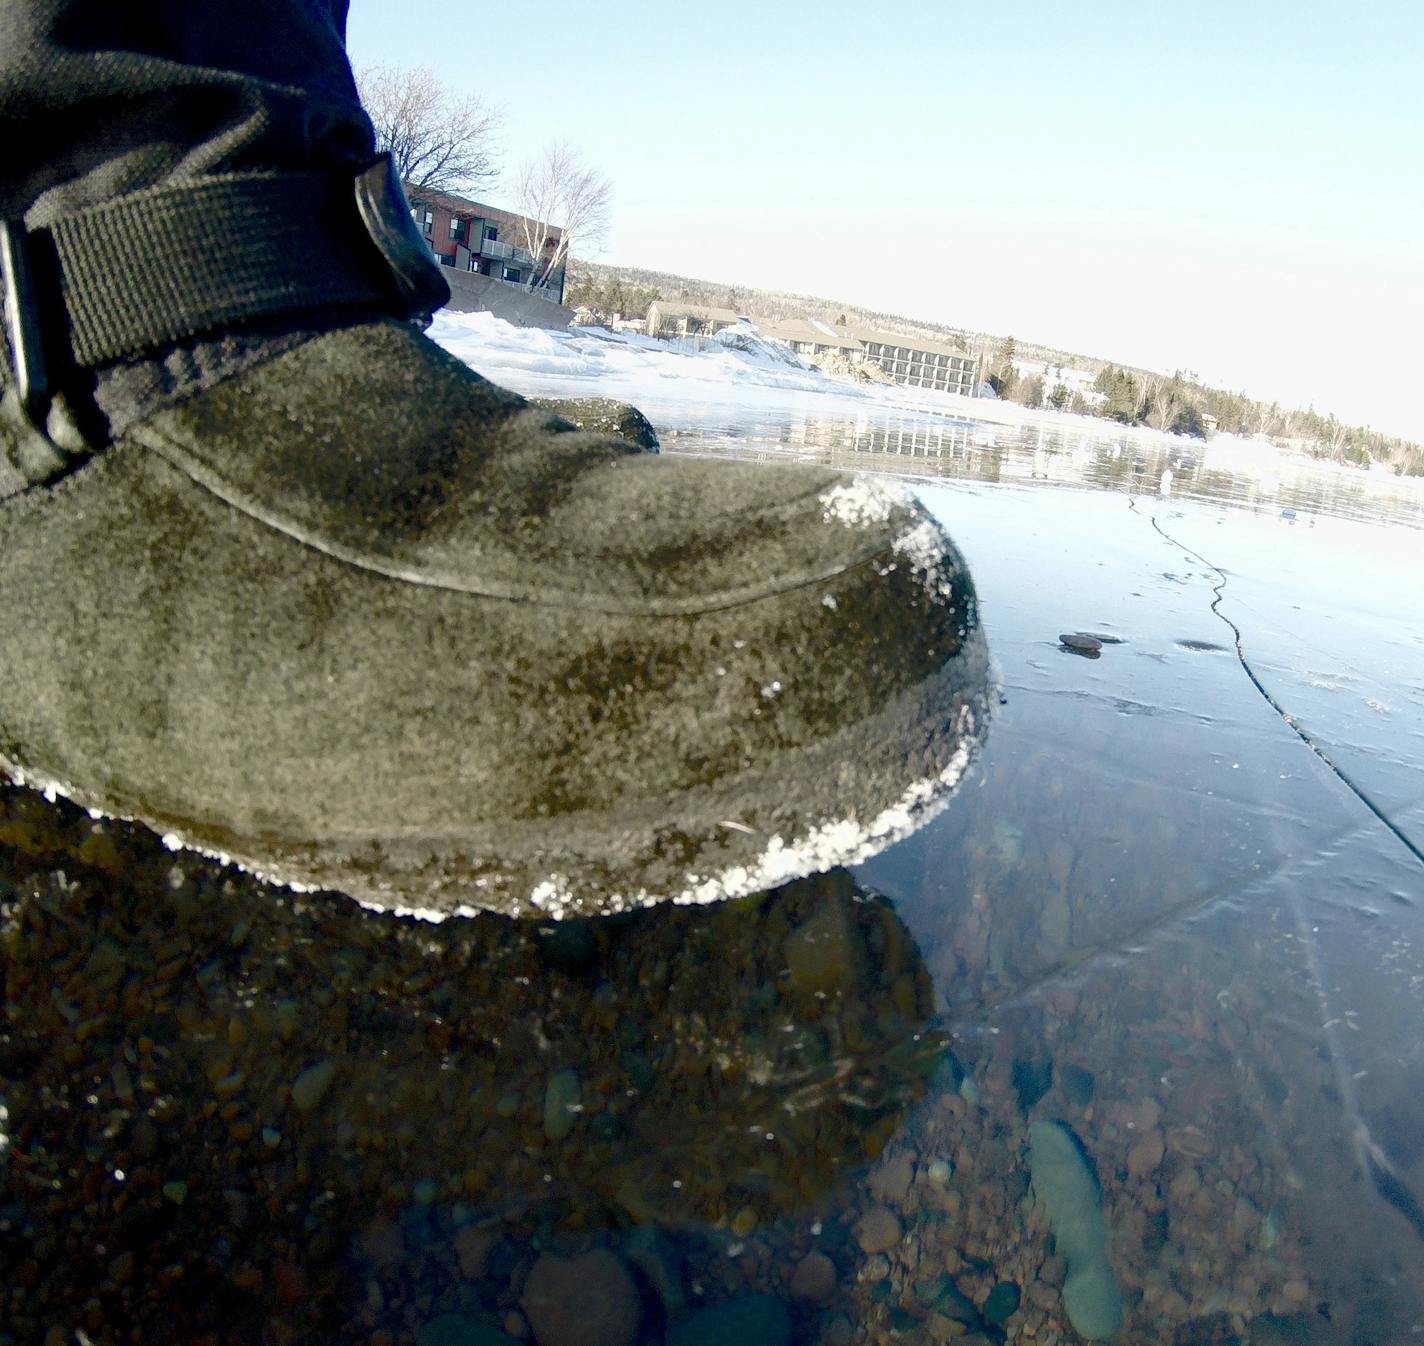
(744, 384)
(738, 366)
(544, 363)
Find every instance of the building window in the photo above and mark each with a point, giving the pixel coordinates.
(426, 216)
(511, 273)
(491, 233)
(457, 229)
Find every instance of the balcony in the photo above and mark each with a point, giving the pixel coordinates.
(504, 252)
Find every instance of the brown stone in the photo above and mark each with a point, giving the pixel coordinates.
(1145, 1156)
(878, 1230)
(383, 1244)
(121, 1269)
(814, 1278)
(290, 1282)
(891, 1180)
(472, 1248)
(825, 954)
(588, 1300)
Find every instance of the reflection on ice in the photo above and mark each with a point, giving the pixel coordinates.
(299, 1093)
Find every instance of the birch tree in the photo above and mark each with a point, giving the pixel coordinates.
(439, 140)
(556, 190)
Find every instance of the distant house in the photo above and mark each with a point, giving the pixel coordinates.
(1077, 381)
(470, 236)
(806, 336)
(685, 320)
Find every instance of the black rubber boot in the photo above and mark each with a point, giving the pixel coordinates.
(330, 604)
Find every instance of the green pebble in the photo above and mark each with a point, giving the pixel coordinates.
(453, 1329)
(563, 1100)
(928, 1292)
(1002, 1304)
(1077, 1085)
(903, 1323)
(176, 1192)
(310, 1087)
(754, 1320)
(639, 1071)
(286, 1011)
(508, 1105)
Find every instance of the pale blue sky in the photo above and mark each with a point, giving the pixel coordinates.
(1231, 189)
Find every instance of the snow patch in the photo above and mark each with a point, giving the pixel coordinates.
(923, 547)
(862, 502)
(553, 896)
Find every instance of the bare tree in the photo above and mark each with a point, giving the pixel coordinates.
(438, 139)
(557, 190)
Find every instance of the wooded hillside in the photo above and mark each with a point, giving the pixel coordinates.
(1133, 396)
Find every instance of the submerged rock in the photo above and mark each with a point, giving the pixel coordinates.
(310, 1087)
(825, 954)
(1076, 1084)
(582, 1301)
(654, 1255)
(1032, 1079)
(1002, 1303)
(814, 1278)
(453, 1329)
(754, 1320)
(878, 1230)
(1069, 1192)
(562, 1104)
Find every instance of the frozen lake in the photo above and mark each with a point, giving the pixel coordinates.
(1186, 869)
(1174, 916)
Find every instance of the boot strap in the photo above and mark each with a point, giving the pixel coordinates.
(173, 262)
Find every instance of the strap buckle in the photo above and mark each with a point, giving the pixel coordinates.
(414, 274)
(22, 322)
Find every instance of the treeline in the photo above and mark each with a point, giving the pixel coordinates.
(1175, 403)
(607, 293)
(597, 280)
(1183, 406)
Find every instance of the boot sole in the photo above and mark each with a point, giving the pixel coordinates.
(704, 845)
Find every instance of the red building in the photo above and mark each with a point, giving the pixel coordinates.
(471, 236)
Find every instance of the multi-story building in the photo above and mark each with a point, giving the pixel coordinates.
(470, 236)
(914, 361)
(908, 360)
(918, 362)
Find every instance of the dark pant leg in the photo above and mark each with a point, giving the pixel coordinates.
(102, 97)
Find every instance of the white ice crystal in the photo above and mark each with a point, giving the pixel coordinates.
(862, 502)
